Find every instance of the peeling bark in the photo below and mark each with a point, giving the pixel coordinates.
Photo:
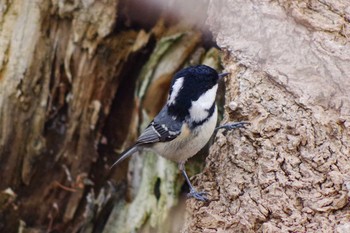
(154, 182)
(59, 75)
(69, 71)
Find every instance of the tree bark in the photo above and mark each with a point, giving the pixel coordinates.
(79, 79)
(289, 170)
(59, 75)
(69, 71)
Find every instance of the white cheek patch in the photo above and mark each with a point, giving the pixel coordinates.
(176, 89)
(199, 109)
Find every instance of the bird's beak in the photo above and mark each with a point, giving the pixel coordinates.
(223, 75)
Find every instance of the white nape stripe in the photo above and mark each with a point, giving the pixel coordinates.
(176, 89)
(199, 109)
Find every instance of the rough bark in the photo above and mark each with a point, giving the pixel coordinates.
(68, 74)
(289, 170)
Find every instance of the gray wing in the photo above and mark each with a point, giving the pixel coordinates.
(163, 128)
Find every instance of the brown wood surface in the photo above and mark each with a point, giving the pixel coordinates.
(70, 75)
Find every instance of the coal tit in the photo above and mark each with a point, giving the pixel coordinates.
(186, 122)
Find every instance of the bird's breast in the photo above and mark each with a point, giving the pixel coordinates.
(185, 132)
(189, 142)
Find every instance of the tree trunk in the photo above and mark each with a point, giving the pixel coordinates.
(59, 75)
(69, 71)
(289, 171)
(79, 79)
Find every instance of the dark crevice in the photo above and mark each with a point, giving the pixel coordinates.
(157, 188)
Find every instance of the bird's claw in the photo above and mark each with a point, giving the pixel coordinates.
(200, 196)
(233, 125)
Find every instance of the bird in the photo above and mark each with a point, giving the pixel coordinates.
(186, 122)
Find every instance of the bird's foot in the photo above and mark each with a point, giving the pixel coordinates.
(200, 196)
(233, 125)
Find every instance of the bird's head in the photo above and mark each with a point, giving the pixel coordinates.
(191, 84)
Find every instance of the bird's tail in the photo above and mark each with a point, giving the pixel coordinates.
(125, 155)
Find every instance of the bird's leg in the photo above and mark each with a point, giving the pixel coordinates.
(233, 125)
(193, 192)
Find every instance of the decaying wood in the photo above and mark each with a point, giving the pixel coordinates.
(77, 83)
(147, 171)
(67, 101)
(59, 75)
